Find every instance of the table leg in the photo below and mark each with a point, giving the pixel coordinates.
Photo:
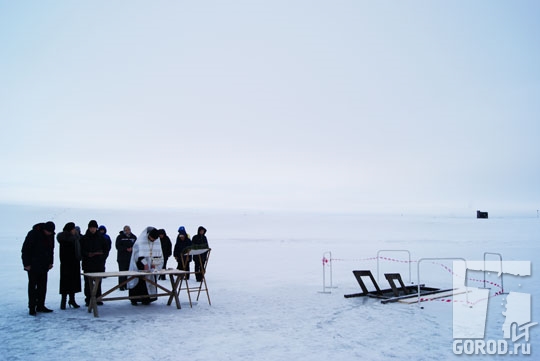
(92, 305)
(174, 292)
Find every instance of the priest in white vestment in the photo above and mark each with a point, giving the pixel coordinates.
(148, 257)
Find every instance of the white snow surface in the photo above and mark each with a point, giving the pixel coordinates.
(265, 277)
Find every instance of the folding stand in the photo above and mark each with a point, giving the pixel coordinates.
(203, 256)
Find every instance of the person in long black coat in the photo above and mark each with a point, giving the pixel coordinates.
(37, 258)
(124, 248)
(199, 241)
(166, 248)
(70, 265)
(94, 252)
(181, 248)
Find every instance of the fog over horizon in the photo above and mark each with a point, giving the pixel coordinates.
(349, 106)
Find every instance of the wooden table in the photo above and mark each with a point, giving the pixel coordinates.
(97, 277)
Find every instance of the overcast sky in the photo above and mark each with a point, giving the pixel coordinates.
(308, 105)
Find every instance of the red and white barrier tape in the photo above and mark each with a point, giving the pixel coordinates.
(326, 261)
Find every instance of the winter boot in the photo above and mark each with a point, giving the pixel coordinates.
(72, 302)
(63, 302)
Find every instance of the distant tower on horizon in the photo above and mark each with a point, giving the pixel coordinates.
(481, 215)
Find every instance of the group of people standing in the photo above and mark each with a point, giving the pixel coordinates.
(184, 244)
(92, 249)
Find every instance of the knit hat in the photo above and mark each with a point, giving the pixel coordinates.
(49, 227)
(69, 227)
(162, 232)
(181, 229)
(92, 224)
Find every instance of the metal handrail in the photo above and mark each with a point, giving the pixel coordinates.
(327, 255)
(502, 273)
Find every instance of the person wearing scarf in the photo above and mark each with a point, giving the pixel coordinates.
(146, 256)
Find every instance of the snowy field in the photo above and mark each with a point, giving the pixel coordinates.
(265, 277)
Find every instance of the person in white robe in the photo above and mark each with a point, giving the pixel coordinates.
(148, 257)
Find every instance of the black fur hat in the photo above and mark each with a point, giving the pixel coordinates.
(49, 227)
(69, 227)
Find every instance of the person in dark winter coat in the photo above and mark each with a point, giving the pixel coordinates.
(124, 247)
(166, 248)
(200, 242)
(94, 251)
(182, 246)
(103, 230)
(37, 258)
(70, 265)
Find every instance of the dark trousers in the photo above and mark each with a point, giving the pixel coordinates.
(37, 289)
(199, 266)
(123, 265)
(165, 263)
(162, 277)
(184, 268)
